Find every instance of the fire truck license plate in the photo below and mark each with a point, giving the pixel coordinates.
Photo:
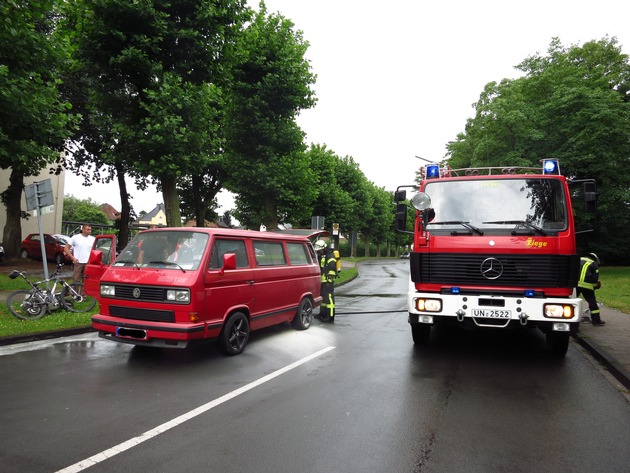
(492, 313)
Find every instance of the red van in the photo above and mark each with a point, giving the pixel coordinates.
(172, 286)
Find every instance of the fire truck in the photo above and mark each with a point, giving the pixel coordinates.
(494, 248)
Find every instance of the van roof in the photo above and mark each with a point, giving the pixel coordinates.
(293, 234)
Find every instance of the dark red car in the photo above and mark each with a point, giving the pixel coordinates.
(32, 248)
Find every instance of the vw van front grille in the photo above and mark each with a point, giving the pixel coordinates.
(140, 293)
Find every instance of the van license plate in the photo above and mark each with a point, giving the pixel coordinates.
(492, 313)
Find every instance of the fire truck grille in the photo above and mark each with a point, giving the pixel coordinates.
(495, 270)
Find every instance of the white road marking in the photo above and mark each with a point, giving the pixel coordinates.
(160, 429)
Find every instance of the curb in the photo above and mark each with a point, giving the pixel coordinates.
(610, 362)
(34, 337)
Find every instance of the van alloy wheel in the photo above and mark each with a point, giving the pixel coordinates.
(235, 334)
(304, 315)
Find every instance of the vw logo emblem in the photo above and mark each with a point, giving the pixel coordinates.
(491, 268)
(136, 292)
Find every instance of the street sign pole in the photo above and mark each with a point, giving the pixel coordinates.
(38, 195)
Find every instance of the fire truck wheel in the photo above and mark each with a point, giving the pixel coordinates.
(421, 333)
(558, 342)
(235, 334)
(304, 315)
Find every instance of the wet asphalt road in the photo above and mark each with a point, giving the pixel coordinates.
(353, 397)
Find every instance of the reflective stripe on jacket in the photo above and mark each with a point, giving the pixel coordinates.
(328, 266)
(589, 273)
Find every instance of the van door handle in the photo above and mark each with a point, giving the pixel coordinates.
(251, 281)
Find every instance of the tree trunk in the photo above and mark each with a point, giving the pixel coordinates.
(270, 219)
(200, 208)
(125, 209)
(367, 244)
(12, 199)
(171, 200)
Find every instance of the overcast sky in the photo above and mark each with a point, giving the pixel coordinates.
(397, 79)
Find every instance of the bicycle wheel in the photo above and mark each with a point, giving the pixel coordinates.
(22, 305)
(74, 298)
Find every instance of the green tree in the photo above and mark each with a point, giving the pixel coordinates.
(152, 68)
(267, 165)
(34, 119)
(332, 201)
(83, 211)
(572, 104)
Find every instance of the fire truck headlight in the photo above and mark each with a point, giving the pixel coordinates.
(429, 305)
(558, 311)
(421, 201)
(107, 290)
(178, 295)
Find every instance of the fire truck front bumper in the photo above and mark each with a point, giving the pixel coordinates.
(549, 314)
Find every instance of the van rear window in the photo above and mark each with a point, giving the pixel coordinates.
(297, 253)
(269, 253)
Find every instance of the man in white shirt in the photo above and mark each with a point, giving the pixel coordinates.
(78, 249)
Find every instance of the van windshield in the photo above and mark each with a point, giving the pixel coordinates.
(166, 249)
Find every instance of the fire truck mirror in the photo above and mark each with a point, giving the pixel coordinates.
(590, 196)
(429, 214)
(399, 196)
(401, 217)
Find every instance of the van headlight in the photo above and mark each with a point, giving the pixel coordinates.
(178, 295)
(108, 290)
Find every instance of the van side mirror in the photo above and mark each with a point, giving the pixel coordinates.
(229, 263)
(590, 196)
(96, 257)
(401, 216)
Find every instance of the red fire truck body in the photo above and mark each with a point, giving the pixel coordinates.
(493, 248)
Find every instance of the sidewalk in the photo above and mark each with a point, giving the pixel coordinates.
(610, 344)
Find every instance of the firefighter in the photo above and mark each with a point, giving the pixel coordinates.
(588, 283)
(328, 267)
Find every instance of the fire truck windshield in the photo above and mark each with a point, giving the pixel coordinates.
(514, 204)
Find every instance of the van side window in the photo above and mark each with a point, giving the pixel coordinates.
(297, 253)
(104, 245)
(222, 247)
(269, 253)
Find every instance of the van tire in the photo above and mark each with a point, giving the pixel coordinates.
(304, 315)
(235, 334)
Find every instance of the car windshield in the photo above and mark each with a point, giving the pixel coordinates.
(478, 206)
(166, 249)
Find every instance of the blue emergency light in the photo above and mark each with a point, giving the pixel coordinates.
(433, 171)
(455, 290)
(530, 293)
(551, 166)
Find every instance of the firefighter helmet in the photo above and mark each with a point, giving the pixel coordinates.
(594, 257)
(319, 245)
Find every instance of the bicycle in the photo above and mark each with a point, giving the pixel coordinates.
(34, 303)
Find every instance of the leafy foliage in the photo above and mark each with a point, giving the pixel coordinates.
(267, 167)
(571, 104)
(34, 119)
(79, 211)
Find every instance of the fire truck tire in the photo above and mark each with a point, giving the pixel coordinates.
(558, 342)
(304, 315)
(235, 334)
(421, 333)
